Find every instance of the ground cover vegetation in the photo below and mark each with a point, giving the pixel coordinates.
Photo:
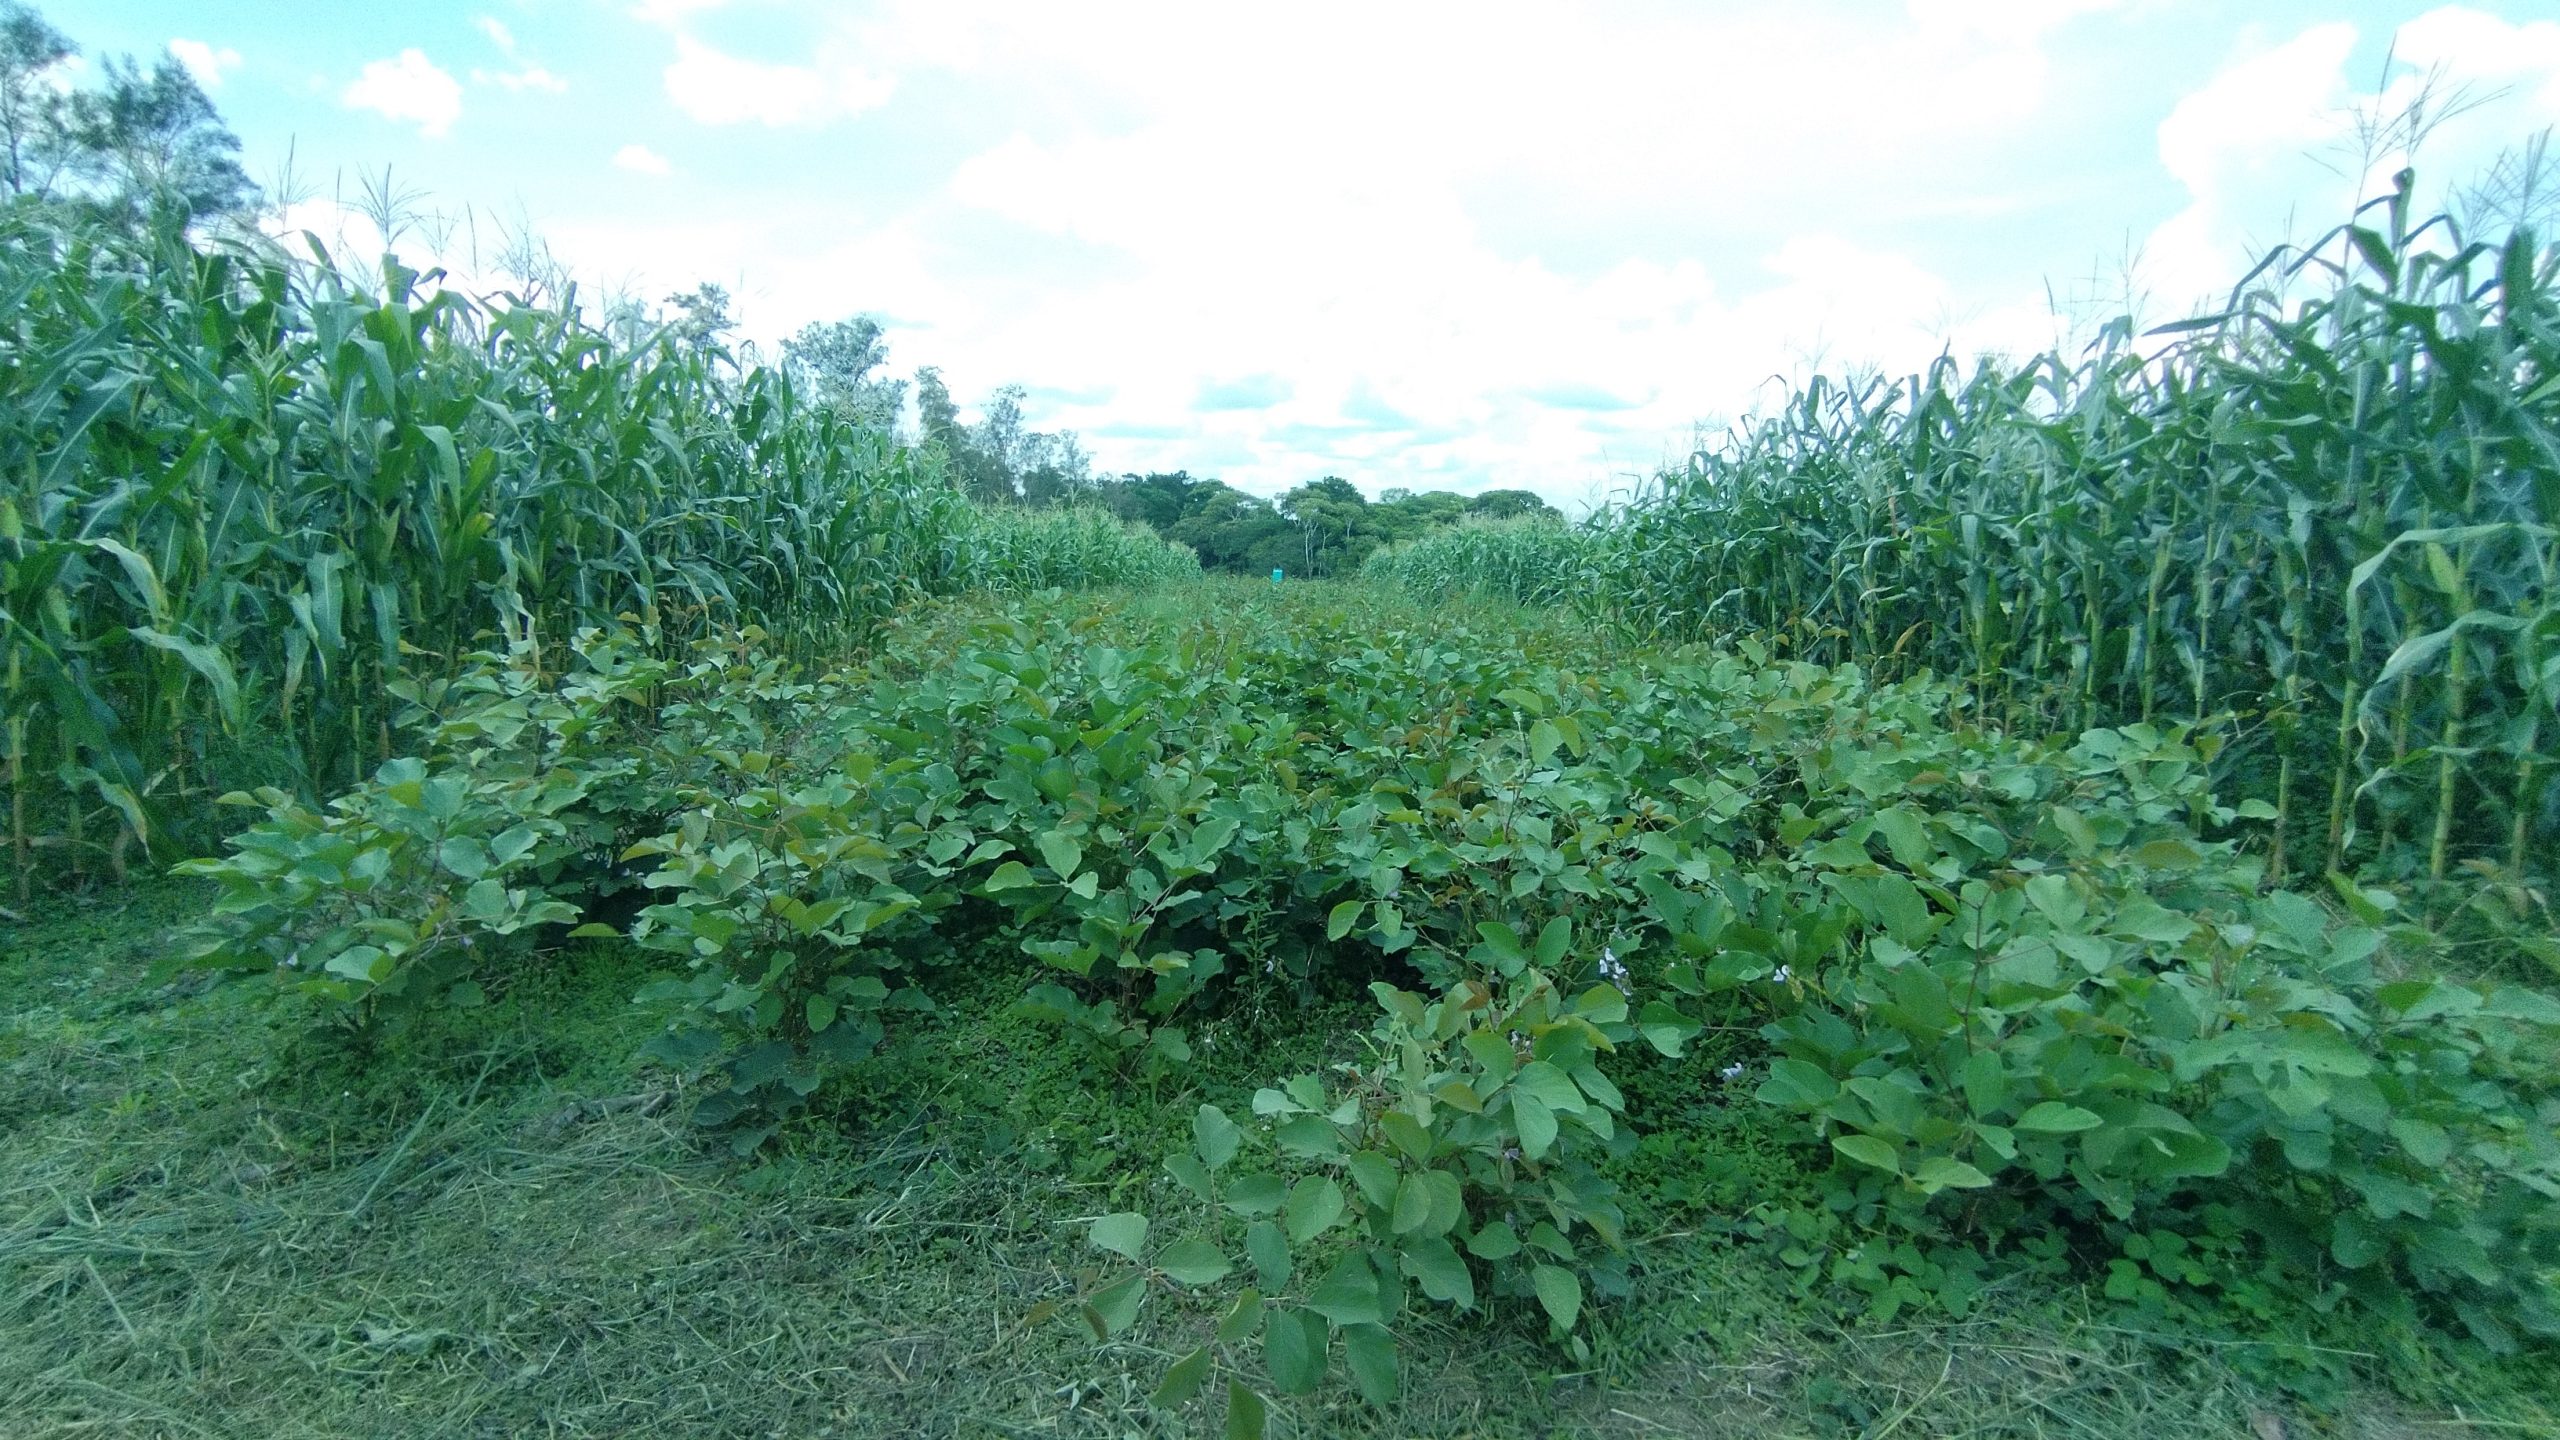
(2007, 906)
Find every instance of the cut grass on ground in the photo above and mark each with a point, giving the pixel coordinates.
(216, 1222)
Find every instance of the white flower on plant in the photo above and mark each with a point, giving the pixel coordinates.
(1510, 1152)
(1611, 969)
(1785, 974)
(1731, 1072)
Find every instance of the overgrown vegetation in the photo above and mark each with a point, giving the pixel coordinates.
(2010, 1007)
(2325, 514)
(2056, 851)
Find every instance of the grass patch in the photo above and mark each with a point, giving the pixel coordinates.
(217, 1221)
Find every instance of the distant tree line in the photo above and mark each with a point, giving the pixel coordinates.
(1324, 527)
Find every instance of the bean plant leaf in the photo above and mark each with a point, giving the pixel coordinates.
(1293, 1346)
(1559, 1292)
(2052, 1117)
(1247, 1416)
(1444, 1276)
(1315, 1203)
(1193, 1261)
(1868, 1150)
(1370, 1351)
(1535, 1122)
(1214, 1137)
(1182, 1381)
(1124, 1233)
(1114, 1308)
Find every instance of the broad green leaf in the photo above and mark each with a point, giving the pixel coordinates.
(1798, 1084)
(1407, 1134)
(1940, 1172)
(1348, 1293)
(1315, 1203)
(1370, 1352)
(1124, 1233)
(1191, 1175)
(1293, 1346)
(1986, 1082)
(1060, 850)
(1443, 1275)
(1412, 1207)
(1247, 1416)
(1113, 1309)
(1535, 1122)
(1011, 875)
(1257, 1194)
(2052, 1117)
(1868, 1150)
(1242, 1319)
(1554, 941)
(1344, 916)
(1214, 1137)
(1193, 1262)
(1182, 1381)
(1559, 1292)
(1268, 1249)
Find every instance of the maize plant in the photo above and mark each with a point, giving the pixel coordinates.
(2330, 518)
(242, 493)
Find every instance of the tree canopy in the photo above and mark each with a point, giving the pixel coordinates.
(1324, 527)
(140, 145)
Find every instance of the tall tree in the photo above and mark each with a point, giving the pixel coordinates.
(33, 110)
(937, 419)
(1507, 504)
(701, 318)
(153, 146)
(841, 361)
(1333, 518)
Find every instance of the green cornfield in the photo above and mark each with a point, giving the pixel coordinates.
(2325, 512)
(1528, 561)
(243, 491)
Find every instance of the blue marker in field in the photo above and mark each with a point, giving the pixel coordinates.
(1275, 574)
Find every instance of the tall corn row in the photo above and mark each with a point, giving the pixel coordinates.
(1529, 561)
(2332, 519)
(238, 493)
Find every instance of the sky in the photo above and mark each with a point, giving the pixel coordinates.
(1437, 246)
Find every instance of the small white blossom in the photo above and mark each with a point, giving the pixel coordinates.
(1610, 968)
(1731, 1072)
(1510, 1152)
(1785, 974)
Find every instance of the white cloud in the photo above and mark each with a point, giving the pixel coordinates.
(1336, 214)
(532, 77)
(642, 160)
(2279, 127)
(408, 88)
(1485, 244)
(671, 12)
(205, 62)
(722, 89)
(517, 81)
